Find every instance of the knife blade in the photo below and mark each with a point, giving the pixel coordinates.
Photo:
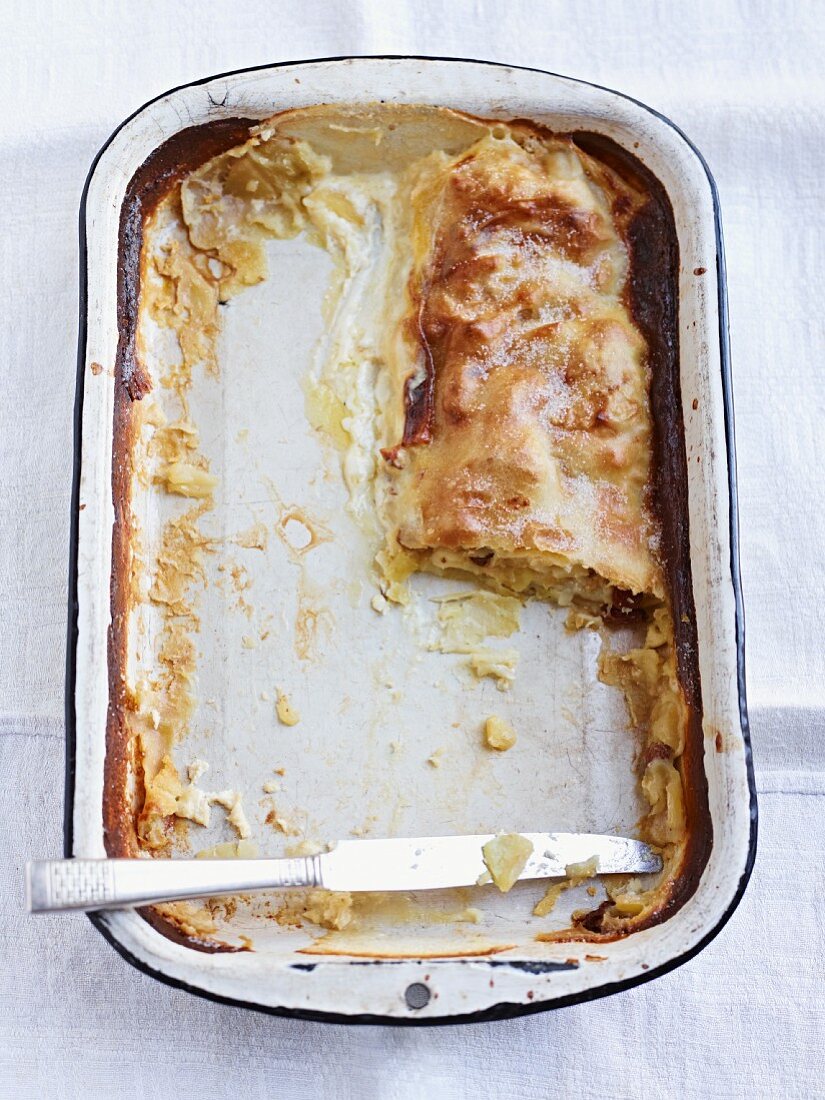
(432, 863)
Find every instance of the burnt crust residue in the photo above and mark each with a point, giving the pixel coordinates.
(118, 826)
(153, 180)
(419, 400)
(172, 932)
(653, 300)
(530, 383)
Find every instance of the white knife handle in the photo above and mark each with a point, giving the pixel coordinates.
(60, 884)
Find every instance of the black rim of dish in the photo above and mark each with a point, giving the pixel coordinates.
(504, 1010)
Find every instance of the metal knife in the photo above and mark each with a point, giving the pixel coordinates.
(422, 863)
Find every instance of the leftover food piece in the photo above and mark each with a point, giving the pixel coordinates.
(505, 857)
(326, 908)
(498, 734)
(165, 799)
(196, 769)
(575, 875)
(278, 821)
(466, 619)
(287, 714)
(192, 919)
(498, 664)
(186, 480)
(230, 849)
(231, 802)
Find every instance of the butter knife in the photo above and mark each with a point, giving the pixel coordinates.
(422, 863)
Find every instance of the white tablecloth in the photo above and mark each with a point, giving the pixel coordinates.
(745, 1018)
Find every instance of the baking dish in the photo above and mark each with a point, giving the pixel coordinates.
(279, 974)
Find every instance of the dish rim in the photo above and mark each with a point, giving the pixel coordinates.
(501, 1010)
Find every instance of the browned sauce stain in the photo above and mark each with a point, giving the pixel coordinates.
(316, 531)
(699, 270)
(596, 958)
(695, 403)
(719, 742)
(152, 181)
(322, 949)
(255, 537)
(653, 293)
(96, 369)
(312, 620)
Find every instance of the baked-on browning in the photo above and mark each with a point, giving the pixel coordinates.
(522, 425)
(526, 446)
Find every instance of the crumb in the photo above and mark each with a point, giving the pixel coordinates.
(498, 734)
(231, 802)
(287, 714)
(282, 824)
(435, 759)
(196, 769)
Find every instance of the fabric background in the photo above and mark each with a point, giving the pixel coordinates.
(745, 1018)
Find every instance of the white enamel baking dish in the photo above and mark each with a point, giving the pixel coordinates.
(276, 976)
